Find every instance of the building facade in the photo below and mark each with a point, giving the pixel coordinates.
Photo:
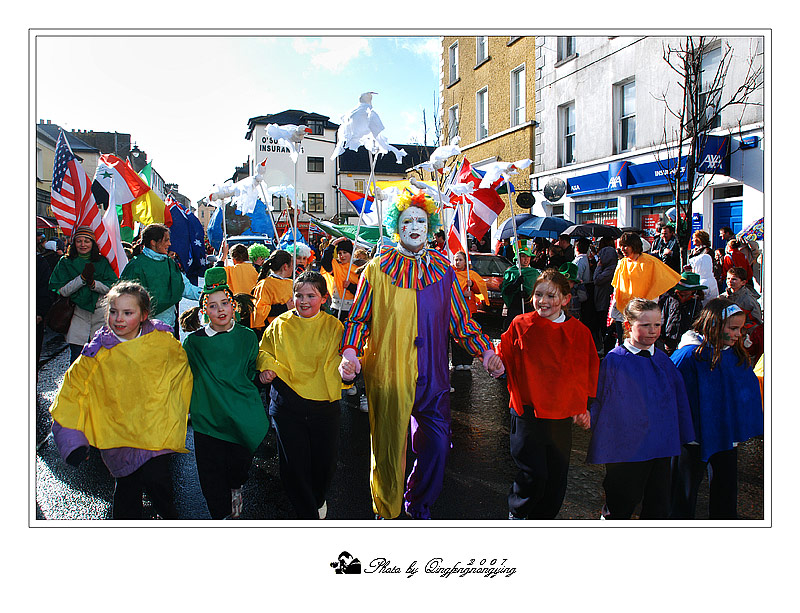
(487, 100)
(603, 128)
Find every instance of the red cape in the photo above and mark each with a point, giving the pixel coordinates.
(552, 367)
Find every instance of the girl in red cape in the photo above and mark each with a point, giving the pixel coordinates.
(552, 366)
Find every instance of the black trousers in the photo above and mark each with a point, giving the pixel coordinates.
(222, 466)
(687, 475)
(307, 432)
(460, 356)
(628, 483)
(152, 477)
(540, 449)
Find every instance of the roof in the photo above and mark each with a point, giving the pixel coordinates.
(291, 116)
(358, 161)
(49, 132)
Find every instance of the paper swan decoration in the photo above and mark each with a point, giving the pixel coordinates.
(362, 126)
(439, 156)
(289, 136)
(244, 192)
(495, 170)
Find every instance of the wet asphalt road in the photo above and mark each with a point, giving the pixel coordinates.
(478, 474)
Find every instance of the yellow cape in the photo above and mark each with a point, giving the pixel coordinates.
(304, 353)
(135, 394)
(646, 277)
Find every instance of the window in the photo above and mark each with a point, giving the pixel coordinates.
(39, 164)
(710, 88)
(453, 62)
(481, 114)
(315, 203)
(277, 203)
(733, 191)
(626, 116)
(565, 48)
(567, 131)
(481, 49)
(316, 164)
(317, 126)
(601, 211)
(518, 96)
(359, 185)
(648, 211)
(452, 123)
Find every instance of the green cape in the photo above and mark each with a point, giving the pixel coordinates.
(160, 277)
(68, 268)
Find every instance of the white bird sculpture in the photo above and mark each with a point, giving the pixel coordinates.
(439, 156)
(496, 170)
(362, 126)
(289, 136)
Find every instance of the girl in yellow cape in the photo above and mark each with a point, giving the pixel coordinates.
(273, 291)
(104, 403)
(299, 356)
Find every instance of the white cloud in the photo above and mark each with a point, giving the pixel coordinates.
(332, 53)
(431, 48)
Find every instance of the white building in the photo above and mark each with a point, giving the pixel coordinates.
(601, 128)
(315, 174)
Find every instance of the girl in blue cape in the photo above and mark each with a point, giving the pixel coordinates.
(640, 418)
(725, 399)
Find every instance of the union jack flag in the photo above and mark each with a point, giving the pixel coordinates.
(72, 201)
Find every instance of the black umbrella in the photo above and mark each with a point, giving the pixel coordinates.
(593, 230)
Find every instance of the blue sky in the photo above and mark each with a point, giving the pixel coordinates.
(186, 100)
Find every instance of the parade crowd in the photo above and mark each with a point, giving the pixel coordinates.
(659, 359)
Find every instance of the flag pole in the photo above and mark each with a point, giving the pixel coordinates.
(358, 227)
(268, 206)
(294, 227)
(516, 238)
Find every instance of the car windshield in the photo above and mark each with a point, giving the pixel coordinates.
(489, 265)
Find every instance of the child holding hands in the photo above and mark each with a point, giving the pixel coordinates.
(640, 418)
(228, 417)
(552, 367)
(299, 357)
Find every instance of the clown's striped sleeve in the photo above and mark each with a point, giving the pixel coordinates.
(356, 328)
(462, 327)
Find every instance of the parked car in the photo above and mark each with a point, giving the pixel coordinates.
(491, 268)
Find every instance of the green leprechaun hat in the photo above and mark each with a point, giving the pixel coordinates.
(215, 280)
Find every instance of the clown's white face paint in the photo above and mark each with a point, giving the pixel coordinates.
(413, 228)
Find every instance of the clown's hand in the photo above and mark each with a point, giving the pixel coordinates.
(266, 376)
(350, 365)
(492, 363)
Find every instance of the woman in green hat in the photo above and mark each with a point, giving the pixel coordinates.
(679, 308)
(84, 275)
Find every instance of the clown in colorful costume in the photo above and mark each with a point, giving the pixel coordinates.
(103, 402)
(407, 301)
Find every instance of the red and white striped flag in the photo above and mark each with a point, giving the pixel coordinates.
(72, 201)
(486, 202)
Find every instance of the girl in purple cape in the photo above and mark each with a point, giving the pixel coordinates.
(640, 419)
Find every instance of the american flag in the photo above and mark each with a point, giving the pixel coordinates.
(72, 201)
